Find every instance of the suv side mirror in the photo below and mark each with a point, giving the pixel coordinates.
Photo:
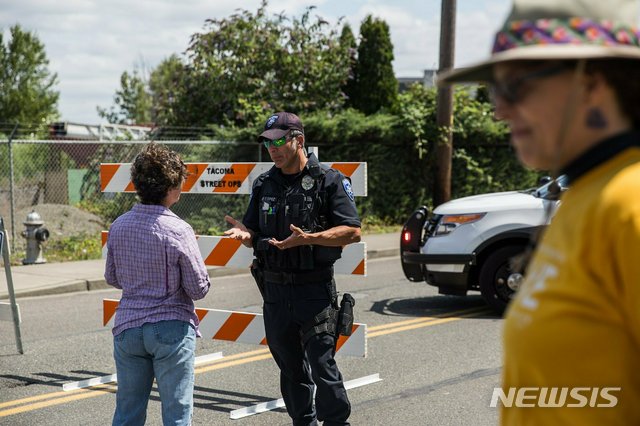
(544, 180)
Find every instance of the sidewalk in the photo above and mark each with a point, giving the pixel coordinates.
(86, 275)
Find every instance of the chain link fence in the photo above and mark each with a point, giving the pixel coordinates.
(60, 180)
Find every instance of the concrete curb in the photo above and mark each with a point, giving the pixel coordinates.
(67, 287)
(374, 254)
(100, 284)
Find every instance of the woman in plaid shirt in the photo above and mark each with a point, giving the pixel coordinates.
(153, 257)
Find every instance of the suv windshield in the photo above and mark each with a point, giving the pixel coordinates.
(543, 191)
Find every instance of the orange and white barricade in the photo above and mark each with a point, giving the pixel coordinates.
(222, 178)
(248, 327)
(230, 253)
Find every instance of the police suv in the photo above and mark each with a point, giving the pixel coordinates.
(466, 244)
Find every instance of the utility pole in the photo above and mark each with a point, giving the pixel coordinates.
(444, 113)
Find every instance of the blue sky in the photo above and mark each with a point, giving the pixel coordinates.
(90, 43)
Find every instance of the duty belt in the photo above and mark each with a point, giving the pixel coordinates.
(319, 276)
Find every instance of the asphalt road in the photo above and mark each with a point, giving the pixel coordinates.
(438, 358)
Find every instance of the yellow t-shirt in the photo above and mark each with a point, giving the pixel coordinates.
(575, 323)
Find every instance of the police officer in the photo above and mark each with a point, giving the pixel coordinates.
(300, 215)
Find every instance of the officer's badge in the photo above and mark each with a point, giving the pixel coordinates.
(307, 182)
(346, 184)
(270, 121)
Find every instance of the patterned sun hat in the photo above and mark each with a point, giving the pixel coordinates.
(560, 29)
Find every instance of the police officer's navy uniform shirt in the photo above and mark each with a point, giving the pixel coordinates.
(341, 209)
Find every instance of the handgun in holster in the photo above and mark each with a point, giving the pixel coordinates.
(345, 315)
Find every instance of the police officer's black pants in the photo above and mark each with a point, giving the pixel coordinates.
(286, 308)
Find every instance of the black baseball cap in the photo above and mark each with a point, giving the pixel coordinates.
(279, 125)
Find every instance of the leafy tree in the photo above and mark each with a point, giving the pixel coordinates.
(27, 92)
(348, 41)
(132, 101)
(376, 86)
(240, 69)
(166, 88)
(142, 100)
(27, 98)
(248, 65)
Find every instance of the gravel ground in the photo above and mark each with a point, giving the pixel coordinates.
(61, 221)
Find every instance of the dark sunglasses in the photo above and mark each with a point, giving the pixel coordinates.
(276, 142)
(512, 91)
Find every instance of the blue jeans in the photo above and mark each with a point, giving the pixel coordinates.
(164, 350)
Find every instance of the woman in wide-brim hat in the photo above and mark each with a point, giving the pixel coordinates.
(565, 76)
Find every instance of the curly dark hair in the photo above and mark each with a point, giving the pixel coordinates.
(155, 171)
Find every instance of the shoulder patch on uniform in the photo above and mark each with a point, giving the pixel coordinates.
(346, 184)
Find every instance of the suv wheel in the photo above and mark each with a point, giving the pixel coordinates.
(493, 277)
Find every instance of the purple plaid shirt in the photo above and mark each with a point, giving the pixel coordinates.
(153, 257)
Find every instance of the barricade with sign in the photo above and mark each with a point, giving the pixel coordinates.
(248, 327)
(222, 178)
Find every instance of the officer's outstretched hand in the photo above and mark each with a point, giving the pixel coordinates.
(296, 238)
(238, 232)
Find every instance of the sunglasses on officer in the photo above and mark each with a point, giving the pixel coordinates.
(276, 142)
(513, 91)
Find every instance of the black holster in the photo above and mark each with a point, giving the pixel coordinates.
(325, 322)
(332, 321)
(258, 275)
(345, 316)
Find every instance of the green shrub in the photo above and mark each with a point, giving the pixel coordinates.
(78, 247)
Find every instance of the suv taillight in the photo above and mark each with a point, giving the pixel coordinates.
(411, 235)
(410, 242)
